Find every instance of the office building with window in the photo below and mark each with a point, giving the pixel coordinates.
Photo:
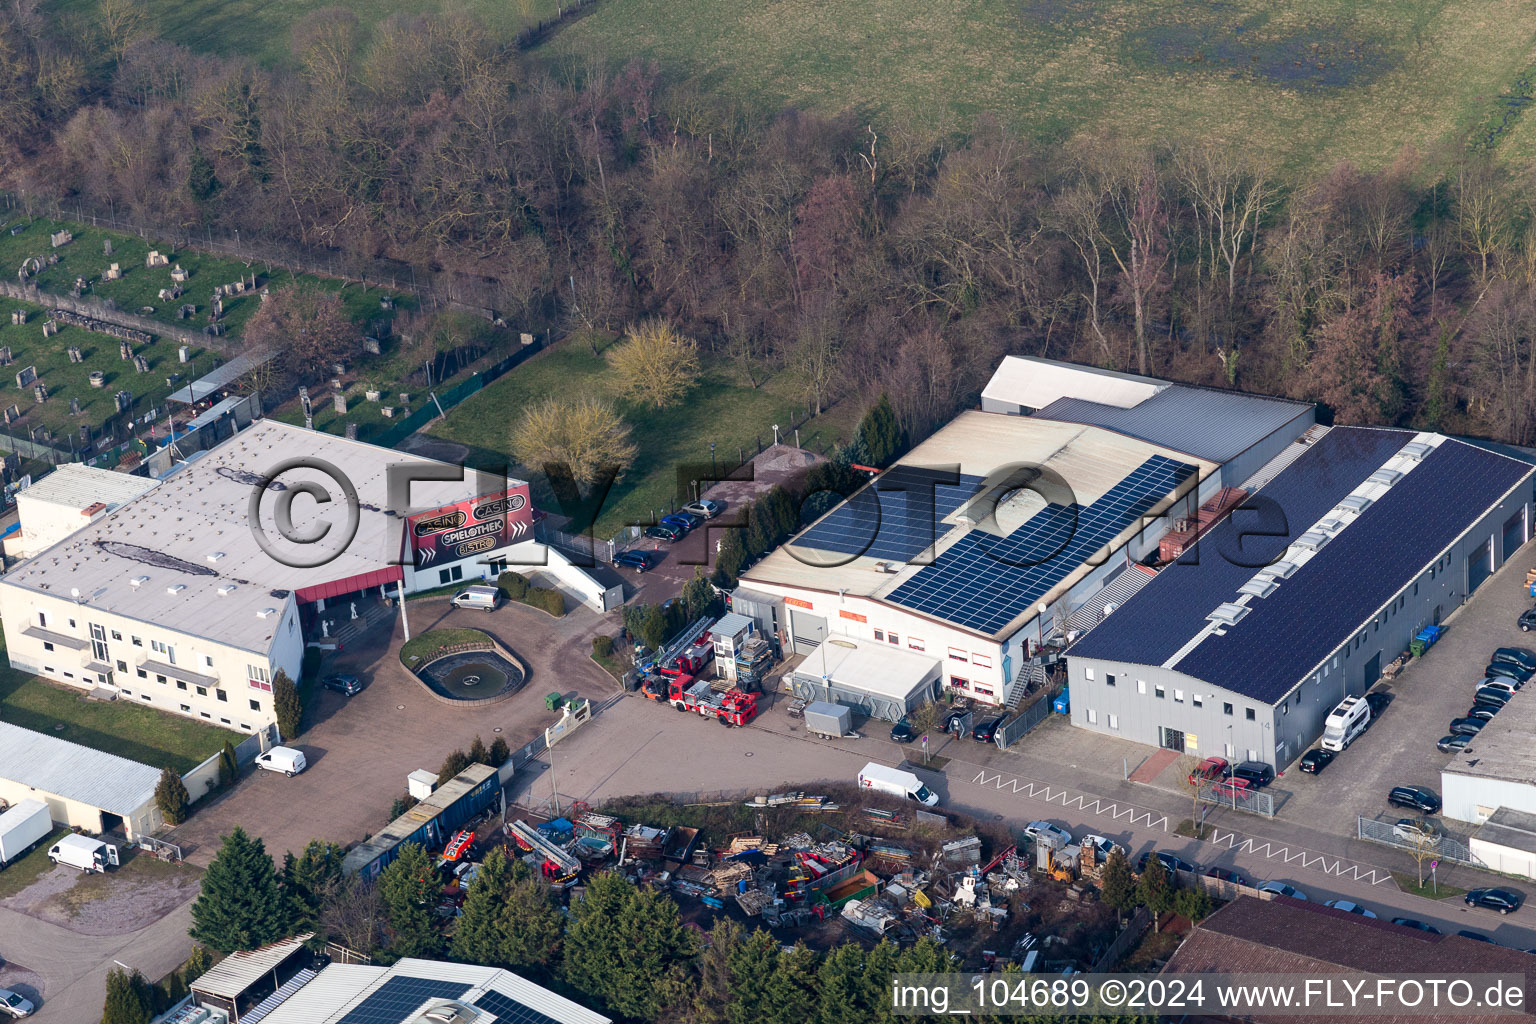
(176, 599)
(1242, 646)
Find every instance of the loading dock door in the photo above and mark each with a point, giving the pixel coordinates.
(1514, 533)
(1372, 672)
(1479, 566)
(807, 630)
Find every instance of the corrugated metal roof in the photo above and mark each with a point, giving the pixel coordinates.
(91, 777)
(221, 376)
(77, 486)
(1203, 422)
(1034, 382)
(240, 970)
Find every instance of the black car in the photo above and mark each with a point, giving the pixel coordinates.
(1510, 670)
(347, 685)
(640, 561)
(1466, 726)
(661, 531)
(1256, 773)
(1502, 900)
(1377, 701)
(902, 732)
(1168, 860)
(1527, 620)
(1516, 655)
(1417, 797)
(1492, 695)
(987, 730)
(1478, 936)
(1454, 743)
(1408, 922)
(1316, 759)
(1226, 875)
(1483, 711)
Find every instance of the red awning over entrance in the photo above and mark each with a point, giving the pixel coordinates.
(377, 578)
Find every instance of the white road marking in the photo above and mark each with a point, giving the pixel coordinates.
(1081, 801)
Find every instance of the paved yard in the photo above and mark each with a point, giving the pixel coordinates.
(360, 749)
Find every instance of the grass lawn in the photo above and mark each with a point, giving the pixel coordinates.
(434, 640)
(119, 727)
(21, 873)
(614, 665)
(723, 409)
(1301, 82)
(1410, 883)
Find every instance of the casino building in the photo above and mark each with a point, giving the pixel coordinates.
(190, 597)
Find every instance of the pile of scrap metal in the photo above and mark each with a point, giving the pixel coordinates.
(799, 801)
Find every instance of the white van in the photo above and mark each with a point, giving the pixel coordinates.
(897, 783)
(87, 854)
(1345, 722)
(283, 759)
(484, 598)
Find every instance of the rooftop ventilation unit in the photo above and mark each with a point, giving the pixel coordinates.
(1312, 540)
(1228, 614)
(226, 590)
(266, 613)
(1260, 586)
(1355, 503)
(214, 556)
(175, 588)
(1385, 477)
(1415, 451)
(138, 581)
(888, 567)
(1282, 569)
(1331, 526)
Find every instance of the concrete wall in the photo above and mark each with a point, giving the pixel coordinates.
(1280, 733)
(1474, 798)
(1504, 859)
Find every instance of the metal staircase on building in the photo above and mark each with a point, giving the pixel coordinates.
(1032, 676)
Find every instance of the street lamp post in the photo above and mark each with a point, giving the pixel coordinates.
(712, 470)
(1040, 622)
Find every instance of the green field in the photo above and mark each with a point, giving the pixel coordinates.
(722, 409)
(119, 727)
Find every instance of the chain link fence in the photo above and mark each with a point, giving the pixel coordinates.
(1253, 801)
(1445, 847)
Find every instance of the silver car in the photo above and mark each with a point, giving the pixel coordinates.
(1281, 889)
(16, 1005)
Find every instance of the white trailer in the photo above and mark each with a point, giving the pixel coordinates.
(897, 783)
(22, 827)
(84, 853)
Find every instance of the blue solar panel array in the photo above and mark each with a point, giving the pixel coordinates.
(897, 518)
(1165, 613)
(1313, 611)
(983, 582)
(510, 1011)
(397, 998)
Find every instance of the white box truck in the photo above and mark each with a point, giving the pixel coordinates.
(21, 828)
(288, 760)
(84, 853)
(897, 783)
(1345, 722)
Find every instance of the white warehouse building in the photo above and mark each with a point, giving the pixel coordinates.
(172, 599)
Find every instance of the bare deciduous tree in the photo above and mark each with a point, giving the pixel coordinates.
(581, 438)
(656, 365)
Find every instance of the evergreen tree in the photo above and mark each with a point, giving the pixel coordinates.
(926, 957)
(879, 434)
(500, 752)
(794, 991)
(241, 905)
(478, 754)
(452, 764)
(699, 597)
(1155, 889)
(841, 978)
(712, 986)
(1192, 904)
(229, 766)
(783, 513)
(408, 887)
(287, 705)
(1117, 887)
(202, 184)
(730, 559)
(758, 539)
(311, 878)
(532, 925)
(477, 939)
(751, 965)
(172, 798)
(197, 963)
(627, 948)
(127, 999)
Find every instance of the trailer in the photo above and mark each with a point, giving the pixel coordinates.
(828, 720)
(680, 843)
(23, 827)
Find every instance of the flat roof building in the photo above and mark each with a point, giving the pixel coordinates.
(68, 500)
(1243, 645)
(179, 599)
(1498, 768)
(83, 787)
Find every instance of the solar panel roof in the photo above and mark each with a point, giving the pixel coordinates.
(398, 997)
(1313, 611)
(897, 518)
(510, 1011)
(983, 581)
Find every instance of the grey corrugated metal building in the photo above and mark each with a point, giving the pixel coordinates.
(1243, 646)
(83, 787)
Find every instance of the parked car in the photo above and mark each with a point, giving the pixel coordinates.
(1517, 656)
(1527, 621)
(15, 1004)
(1419, 798)
(1232, 788)
(1417, 831)
(1492, 695)
(1416, 925)
(1466, 726)
(640, 561)
(704, 508)
(1377, 701)
(1168, 860)
(1209, 769)
(902, 732)
(1483, 711)
(1350, 908)
(1104, 846)
(1511, 669)
(681, 521)
(1467, 933)
(1226, 875)
(1282, 889)
(348, 685)
(985, 732)
(1454, 743)
(662, 531)
(1256, 773)
(1508, 685)
(1038, 830)
(1502, 900)
(1316, 759)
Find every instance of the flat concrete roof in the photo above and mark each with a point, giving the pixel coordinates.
(1503, 749)
(76, 486)
(193, 532)
(87, 776)
(875, 668)
(1510, 828)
